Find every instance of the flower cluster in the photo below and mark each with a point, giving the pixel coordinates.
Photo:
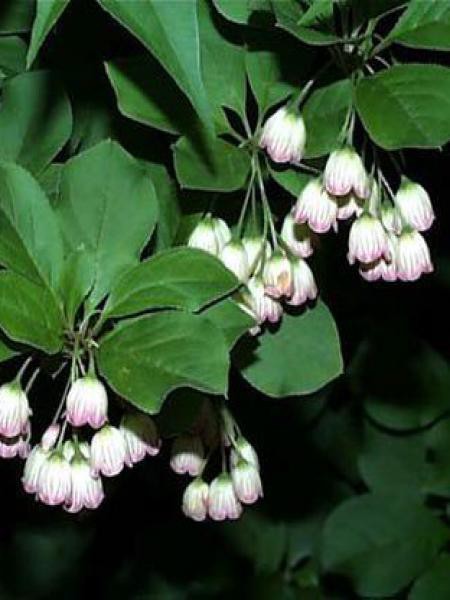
(238, 483)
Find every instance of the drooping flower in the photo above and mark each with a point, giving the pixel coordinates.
(188, 455)
(345, 173)
(277, 276)
(413, 256)
(234, 256)
(141, 437)
(258, 305)
(14, 410)
(50, 436)
(303, 284)
(86, 491)
(391, 218)
(258, 251)
(348, 206)
(108, 451)
(12, 447)
(32, 469)
(223, 502)
(284, 136)
(244, 451)
(297, 236)
(367, 240)
(414, 204)
(87, 403)
(247, 482)
(54, 479)
(210, 234)
(195, 500)
(315, 207)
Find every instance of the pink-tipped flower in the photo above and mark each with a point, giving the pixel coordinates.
(54, 480)
(210, 235)
(258, 251)
(345, 173)
(284, 136)
(108, 452)
(315, 207)
(234, 256)
(195, 500)
(223, 502)
(348, 206)
(297, 236)
(188, 455)
(14, 410)
(87, 403)
(414, 205)
(247, 482)
(50, 436)
(391, 218)
(243, 450)
(12, 447)
(303, 283)
(141, 437)
(86, 491)
(32, 469)
(260, 306)
(413, 256)
(278, 276)
(367, 240)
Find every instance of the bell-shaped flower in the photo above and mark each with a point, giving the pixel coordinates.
(188, 455)
(32, 468)
(210, 235)
(413, 202)
(14, 410)
(297, 237)
(12, 447)
(258, 251)
(246, 482)
(284, 136)
(234, 256)
(243, 450)
(141, 437)
(195, 500)
(413, 256)
(108, 452)
(277, 275)
(259, 305)
(315, 207)
(223, 502)
(87, 403)
(303, 283)
(367, 240)
(54, 480)
(86, 491)
(345, 174)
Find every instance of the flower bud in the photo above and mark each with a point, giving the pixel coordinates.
(223, 502)
(222, 233)
(244, 451)
(187, 455)
(297, 236)
(86, 491)
(414, 204)
(413, 256)
(195, 500)
(284, 136)
(345, 173)
(14, 410)
(50, 436)
(87, 403)
(210, 235)
(54, 480)
(108, 452)
(234, 257)
(32, 469)
(278, 276)
(141, 437)
(247, 482)
(315, 207)
(304, 286)
(367, 240)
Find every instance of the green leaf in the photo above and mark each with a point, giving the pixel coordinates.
(169, 213)
(210, 164)
(363, 535)
(173, 38)
(30, 241)
(241, 11)
(179, 278)
(291, 180)
(424, 25)
(325, 114)
(16, 16)
(6, 351)
(29, 313)
(146, 94)
(47, 13)
(398, 114)
(35, 120)
(230, 319)
(13, 51)
(108, 206)
(77, 279)
(300, 357)
(435, 583)
(289, 13)
(145, 358)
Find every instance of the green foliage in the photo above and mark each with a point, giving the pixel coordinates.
(47, 13)
(424, 25)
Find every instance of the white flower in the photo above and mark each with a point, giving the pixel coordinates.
(141, 437)
(244, 451)
(108, 452)
(50, 436)
(86, 491)
(12, 447)
(14, 410)
(210, 235)
(247, 482)
(222, 233)
(187, 455)
(367, 240)
(345, 173)
(297, 236)
(195, 500)
(258, 251)
(87, 403)
(277, 276)
(414, 205)
(234, 256)
(413, 256)
(348, 206)
(223, 502)
(258, 305)
(382, 268)
(315, 207)
(32, 469)
(54, 480)
(284, 136)
(391, 218)
(304, 286)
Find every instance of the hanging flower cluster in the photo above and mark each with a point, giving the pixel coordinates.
(239, 481)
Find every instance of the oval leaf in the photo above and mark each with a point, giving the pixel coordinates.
(47, 13)
(424, 25)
